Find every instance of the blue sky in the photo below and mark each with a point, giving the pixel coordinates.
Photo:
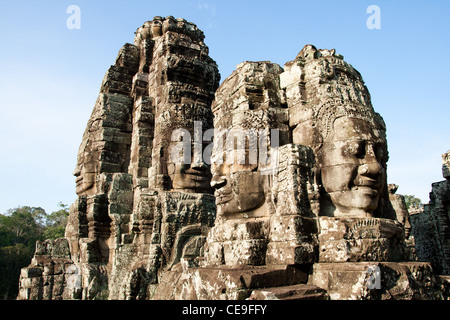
(50, 76)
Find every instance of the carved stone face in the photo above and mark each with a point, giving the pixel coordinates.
(352, 163)
(85, 181)
(190, 177)
(239, 190)
(193, 177)
(85, 173)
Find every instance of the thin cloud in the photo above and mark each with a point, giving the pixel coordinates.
(210, 8)
(211, 11)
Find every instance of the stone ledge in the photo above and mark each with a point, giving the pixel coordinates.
(296, 292)
(225, 283)
(377, 280)
(360, 239)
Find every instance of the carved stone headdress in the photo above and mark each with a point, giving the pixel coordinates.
(326, 113)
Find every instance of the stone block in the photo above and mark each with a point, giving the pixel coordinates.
(214, 253)
(292, 75)
(377, 280)
(225, 282)
(240, 229)
(35, 292)
(360, 239)
(292, 252)
(61, 249)
(48, 270)
(44, 247)
(31, 272)
(296, 292)
(245, 252)
(89, 251)
(291, 227)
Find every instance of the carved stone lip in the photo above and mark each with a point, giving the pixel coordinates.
(367, 183)
(222, 193)
(223, 197)
(79, 180)
(222, 200)
(372, 190)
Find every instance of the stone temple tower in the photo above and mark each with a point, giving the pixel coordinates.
(270, 186)
(137, 210)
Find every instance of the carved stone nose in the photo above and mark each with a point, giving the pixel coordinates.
(218, 182)
(370, 169)
(76, 172)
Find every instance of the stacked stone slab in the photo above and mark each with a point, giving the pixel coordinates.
(292, 204)
(102, 209)
(130, 213)
(247, 107)
(402, 215)
(52, 274)
(321, 88)
(341, 256)
(431, 225)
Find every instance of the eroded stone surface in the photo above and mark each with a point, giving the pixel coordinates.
(139, 210)
(446, 165)
(295, 292)
(292, 204)
(378, 281)
(360, 239)
(52, 274)
(226, 283)
(431, 225)
(331, 112)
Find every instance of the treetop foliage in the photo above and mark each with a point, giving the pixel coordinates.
(20, 228)
(412, 202)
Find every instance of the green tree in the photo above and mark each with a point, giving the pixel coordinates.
(20, 228)
(22, 225)
(12, 259)
(56, 223)
(412, 201)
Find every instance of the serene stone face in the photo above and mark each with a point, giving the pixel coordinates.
(85, 181)
(85, 173)
(352, 164)
(180, 154)
(247, 106)
(331, 112)
(239, 189)
(190, 176)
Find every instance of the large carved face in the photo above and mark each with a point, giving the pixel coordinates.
(239, 189)
(85, 181)
(189, 175)
(353, 167)
(86, 171)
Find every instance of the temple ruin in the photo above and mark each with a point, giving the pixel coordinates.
(272, 185)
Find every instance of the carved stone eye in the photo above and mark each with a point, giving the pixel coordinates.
(355, 149)
(380, 152)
